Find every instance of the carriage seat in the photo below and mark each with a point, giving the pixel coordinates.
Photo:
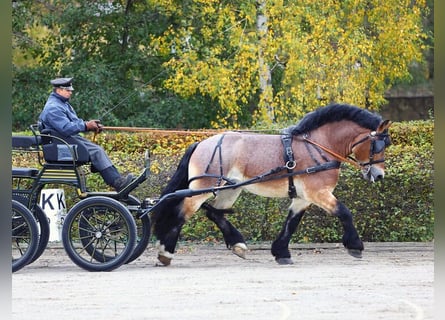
(25, 172)
(58, 149)
(27, 143)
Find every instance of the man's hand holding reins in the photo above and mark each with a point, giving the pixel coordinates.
(94, 125)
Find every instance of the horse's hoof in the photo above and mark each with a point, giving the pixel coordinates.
(240, 250)
(284, 261)
(356, 253)
(164, 260)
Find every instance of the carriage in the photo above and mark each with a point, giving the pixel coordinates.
(105, 230)
(101, 231)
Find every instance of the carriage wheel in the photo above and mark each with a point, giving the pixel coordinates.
(143, 229)
(143, 226)
(25, 236)
(99, 234)
(43, 226)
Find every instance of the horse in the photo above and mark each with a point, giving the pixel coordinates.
(303, 163)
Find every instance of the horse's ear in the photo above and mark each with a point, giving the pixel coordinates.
(384, 125)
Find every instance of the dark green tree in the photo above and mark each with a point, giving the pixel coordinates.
(107, 47)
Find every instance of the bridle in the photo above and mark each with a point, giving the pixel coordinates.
(379, 141)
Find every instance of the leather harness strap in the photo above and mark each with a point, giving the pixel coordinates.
(286, 139)
(217, 148)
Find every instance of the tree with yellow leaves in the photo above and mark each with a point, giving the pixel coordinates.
(277, 60)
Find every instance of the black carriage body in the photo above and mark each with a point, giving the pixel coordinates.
(63, 161)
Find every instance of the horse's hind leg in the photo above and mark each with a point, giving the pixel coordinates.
(168, 234)
(168, 224)
(280, 247)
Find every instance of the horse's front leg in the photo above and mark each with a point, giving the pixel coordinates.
(351, 239)
(280, 247)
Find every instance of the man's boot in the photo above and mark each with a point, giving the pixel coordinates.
(122, 182)
(113, 178)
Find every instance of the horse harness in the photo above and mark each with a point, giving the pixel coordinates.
(289, 166)
(290, 162)
(378, 142)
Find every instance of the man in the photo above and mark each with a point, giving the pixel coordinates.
(59, 115)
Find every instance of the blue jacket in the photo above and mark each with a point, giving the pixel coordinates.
(59, 115)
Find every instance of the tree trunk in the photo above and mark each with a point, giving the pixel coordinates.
(266, 97)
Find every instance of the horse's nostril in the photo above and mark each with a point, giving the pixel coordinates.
(379, 177)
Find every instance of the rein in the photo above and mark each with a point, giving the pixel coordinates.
(268, 176)
(335, 154)
(184, 193)
(273, 174)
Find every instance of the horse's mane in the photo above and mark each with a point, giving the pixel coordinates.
(332, 113)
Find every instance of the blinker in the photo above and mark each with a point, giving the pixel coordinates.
(378, 146)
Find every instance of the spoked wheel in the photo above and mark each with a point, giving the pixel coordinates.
(99, 234)
(25, 236)
(143, 229)
(43, 225)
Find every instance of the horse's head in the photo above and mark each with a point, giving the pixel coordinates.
(370, 152)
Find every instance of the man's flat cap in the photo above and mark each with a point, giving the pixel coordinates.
(64, 83)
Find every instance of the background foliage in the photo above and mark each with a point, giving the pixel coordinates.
(236, 64)
(399, 208)
(224, 64)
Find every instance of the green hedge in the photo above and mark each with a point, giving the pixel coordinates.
(399, 208)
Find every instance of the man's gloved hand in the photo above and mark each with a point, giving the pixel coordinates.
(92, 125)
(100, 126)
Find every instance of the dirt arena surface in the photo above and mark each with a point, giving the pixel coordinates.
(206, 281)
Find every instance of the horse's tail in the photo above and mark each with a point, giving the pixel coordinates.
(179, 180)
(166, 213)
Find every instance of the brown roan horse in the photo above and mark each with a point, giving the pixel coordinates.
(302, 163)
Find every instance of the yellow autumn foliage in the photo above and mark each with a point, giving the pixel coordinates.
(318, 52)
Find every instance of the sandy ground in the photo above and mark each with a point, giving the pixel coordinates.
(392, 281)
